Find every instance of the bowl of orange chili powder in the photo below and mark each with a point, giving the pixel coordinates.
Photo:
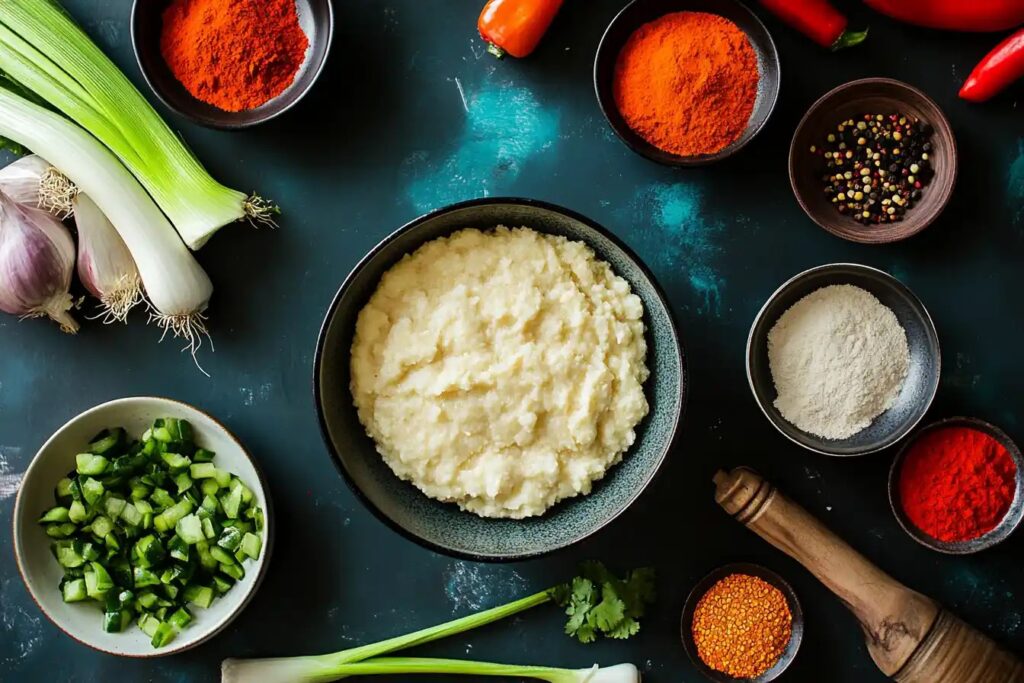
(231, 64)
(742, 622)
(957, 486)
(686, 82)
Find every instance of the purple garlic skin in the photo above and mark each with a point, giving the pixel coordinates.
(37, 259)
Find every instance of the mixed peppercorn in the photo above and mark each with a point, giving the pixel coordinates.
(876, 166)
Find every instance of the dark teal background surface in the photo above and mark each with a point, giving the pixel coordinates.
(410, 115)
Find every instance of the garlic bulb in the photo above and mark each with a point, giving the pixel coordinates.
(32, 181)
(37, 258)
(105, 266)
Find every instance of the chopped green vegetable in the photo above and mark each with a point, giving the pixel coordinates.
(142, 532)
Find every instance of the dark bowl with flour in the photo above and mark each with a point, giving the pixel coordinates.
(918, 389)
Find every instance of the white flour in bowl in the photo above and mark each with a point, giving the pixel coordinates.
(838, 358)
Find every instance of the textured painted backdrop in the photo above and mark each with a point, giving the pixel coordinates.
(412, 114)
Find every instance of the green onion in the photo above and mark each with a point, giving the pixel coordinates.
(45, 50)
(312, 669)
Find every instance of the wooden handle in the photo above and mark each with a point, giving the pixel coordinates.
(895, 619)
(909, 636)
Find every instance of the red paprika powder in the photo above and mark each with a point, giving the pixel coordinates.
(233, 54)
(956, 483)
(687, 82)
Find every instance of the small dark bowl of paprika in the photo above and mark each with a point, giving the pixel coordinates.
(241, 108)
(640, 12)
(957, 486)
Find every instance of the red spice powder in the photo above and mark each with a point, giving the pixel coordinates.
(233, 54)
(956, 483)
(686, 82)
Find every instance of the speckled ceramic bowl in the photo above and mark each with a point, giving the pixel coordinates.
(925, 357)
(444, 527)
(1011, 520)
(83, 621)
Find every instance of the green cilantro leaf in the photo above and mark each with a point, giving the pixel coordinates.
(599, 603)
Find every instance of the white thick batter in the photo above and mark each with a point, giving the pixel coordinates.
(501, 370)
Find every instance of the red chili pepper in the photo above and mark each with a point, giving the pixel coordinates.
(818, 20)
(516, 26)
(999, 68)
(955, 15)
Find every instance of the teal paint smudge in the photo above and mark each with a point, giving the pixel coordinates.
(1015, 184)
(505, 126)
(683, 238)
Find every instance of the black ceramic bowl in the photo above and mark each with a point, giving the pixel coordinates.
(316, 18)
(640, 12)
(443, 526)
(925, 357)
(770, 577)
(1011, 520)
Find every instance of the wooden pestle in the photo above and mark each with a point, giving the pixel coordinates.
(910, 637)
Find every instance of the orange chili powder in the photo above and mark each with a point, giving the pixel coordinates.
(687, 82)
(742, 625)
(233, 54)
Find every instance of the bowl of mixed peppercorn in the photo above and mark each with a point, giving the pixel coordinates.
(873, 161)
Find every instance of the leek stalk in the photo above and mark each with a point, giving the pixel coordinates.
(47, 52)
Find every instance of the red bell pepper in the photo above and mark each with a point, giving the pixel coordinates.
(999, 68)
(516, 26)
(955, 15)
(818, 20)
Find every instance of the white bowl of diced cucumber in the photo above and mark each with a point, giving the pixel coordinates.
(142, 527)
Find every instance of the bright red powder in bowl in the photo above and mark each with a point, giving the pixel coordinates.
(233, 54)
(956, 483)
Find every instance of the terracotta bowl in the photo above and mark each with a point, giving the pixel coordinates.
(875, 96)
(1011, 520)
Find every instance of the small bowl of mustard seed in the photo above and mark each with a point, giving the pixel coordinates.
(873, 161)
(742, 623)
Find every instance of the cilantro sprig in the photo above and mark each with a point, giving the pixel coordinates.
(599, 603)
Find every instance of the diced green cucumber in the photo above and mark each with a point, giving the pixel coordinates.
(185, 432)
(144, 577)
(167, 519)
(102, 526)
(209, 487)
(203, 470)
(62, 530)
(148, 623)
(223, 478)
(189, 529)
(90, 551)
(209, 531)
(74, 590)
(139, 490)
(148, 551)
(89, 464)
(113, 505)
(230, 539)
(68, 554)
(92, 491)
(162, 498)
(55, 514)
(205, 558)
(222, 584)
(163, 634)
(201, 596)
(97, 581)
(106, 441)
(170, 590)
(62, 492)
(202, 455)
(146, 599)
(77, 512)
(176, 462)
(178, 548)
(251, 545)
(222, 556)
(131, 515)
(234, 570)
(183, 481)
(231, 502)
(180, 618)
(161, 433)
